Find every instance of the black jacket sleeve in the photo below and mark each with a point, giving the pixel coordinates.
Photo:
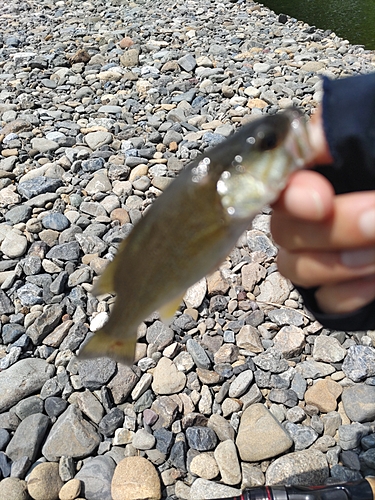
(349, 124)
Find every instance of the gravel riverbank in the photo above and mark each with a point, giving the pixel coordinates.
(101, 105)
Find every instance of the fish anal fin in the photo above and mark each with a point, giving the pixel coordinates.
(106, 283)
(103, 345)
(168, 310)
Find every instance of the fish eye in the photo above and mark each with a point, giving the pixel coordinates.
(267, 140)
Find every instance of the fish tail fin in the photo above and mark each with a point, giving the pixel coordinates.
(101, 344)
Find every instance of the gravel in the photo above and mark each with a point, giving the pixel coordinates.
(101, 105)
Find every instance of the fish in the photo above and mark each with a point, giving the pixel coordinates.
(193, 225)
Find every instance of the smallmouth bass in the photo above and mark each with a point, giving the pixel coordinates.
(190, 229)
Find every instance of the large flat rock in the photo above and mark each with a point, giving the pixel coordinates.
(22, 379)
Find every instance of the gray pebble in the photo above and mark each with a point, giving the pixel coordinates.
(205, 490)
(29, 406)
(30, 295)
(4, 438)
(28, 437)
(11, 332)
(302, 435)
(38, 186)
(351, 435)
(198, 354)
(201, 438)
(143, 440)
(359, 363)
(20, 213)
(64, 252)
(55, 221)
(96, 476)
(359, 402)
(22, 379)
(71, 436)
(112, 421)
(95, 373)
(300, 467)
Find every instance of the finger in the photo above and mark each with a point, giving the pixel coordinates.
(308, 196)
(310, 269)
(352, 225)
(346, 297)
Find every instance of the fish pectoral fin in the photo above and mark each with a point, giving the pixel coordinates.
(102, 345)
(168, 310)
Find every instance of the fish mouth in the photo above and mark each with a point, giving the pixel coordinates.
(256, 176)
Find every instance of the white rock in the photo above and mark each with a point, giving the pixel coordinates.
(98, 321)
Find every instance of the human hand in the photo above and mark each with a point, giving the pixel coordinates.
(326, 241)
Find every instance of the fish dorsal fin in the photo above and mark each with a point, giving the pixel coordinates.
(102, 345)
(168, 310)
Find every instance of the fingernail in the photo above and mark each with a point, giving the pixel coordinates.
(304, 201)
(367, 224)
(358, 258)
